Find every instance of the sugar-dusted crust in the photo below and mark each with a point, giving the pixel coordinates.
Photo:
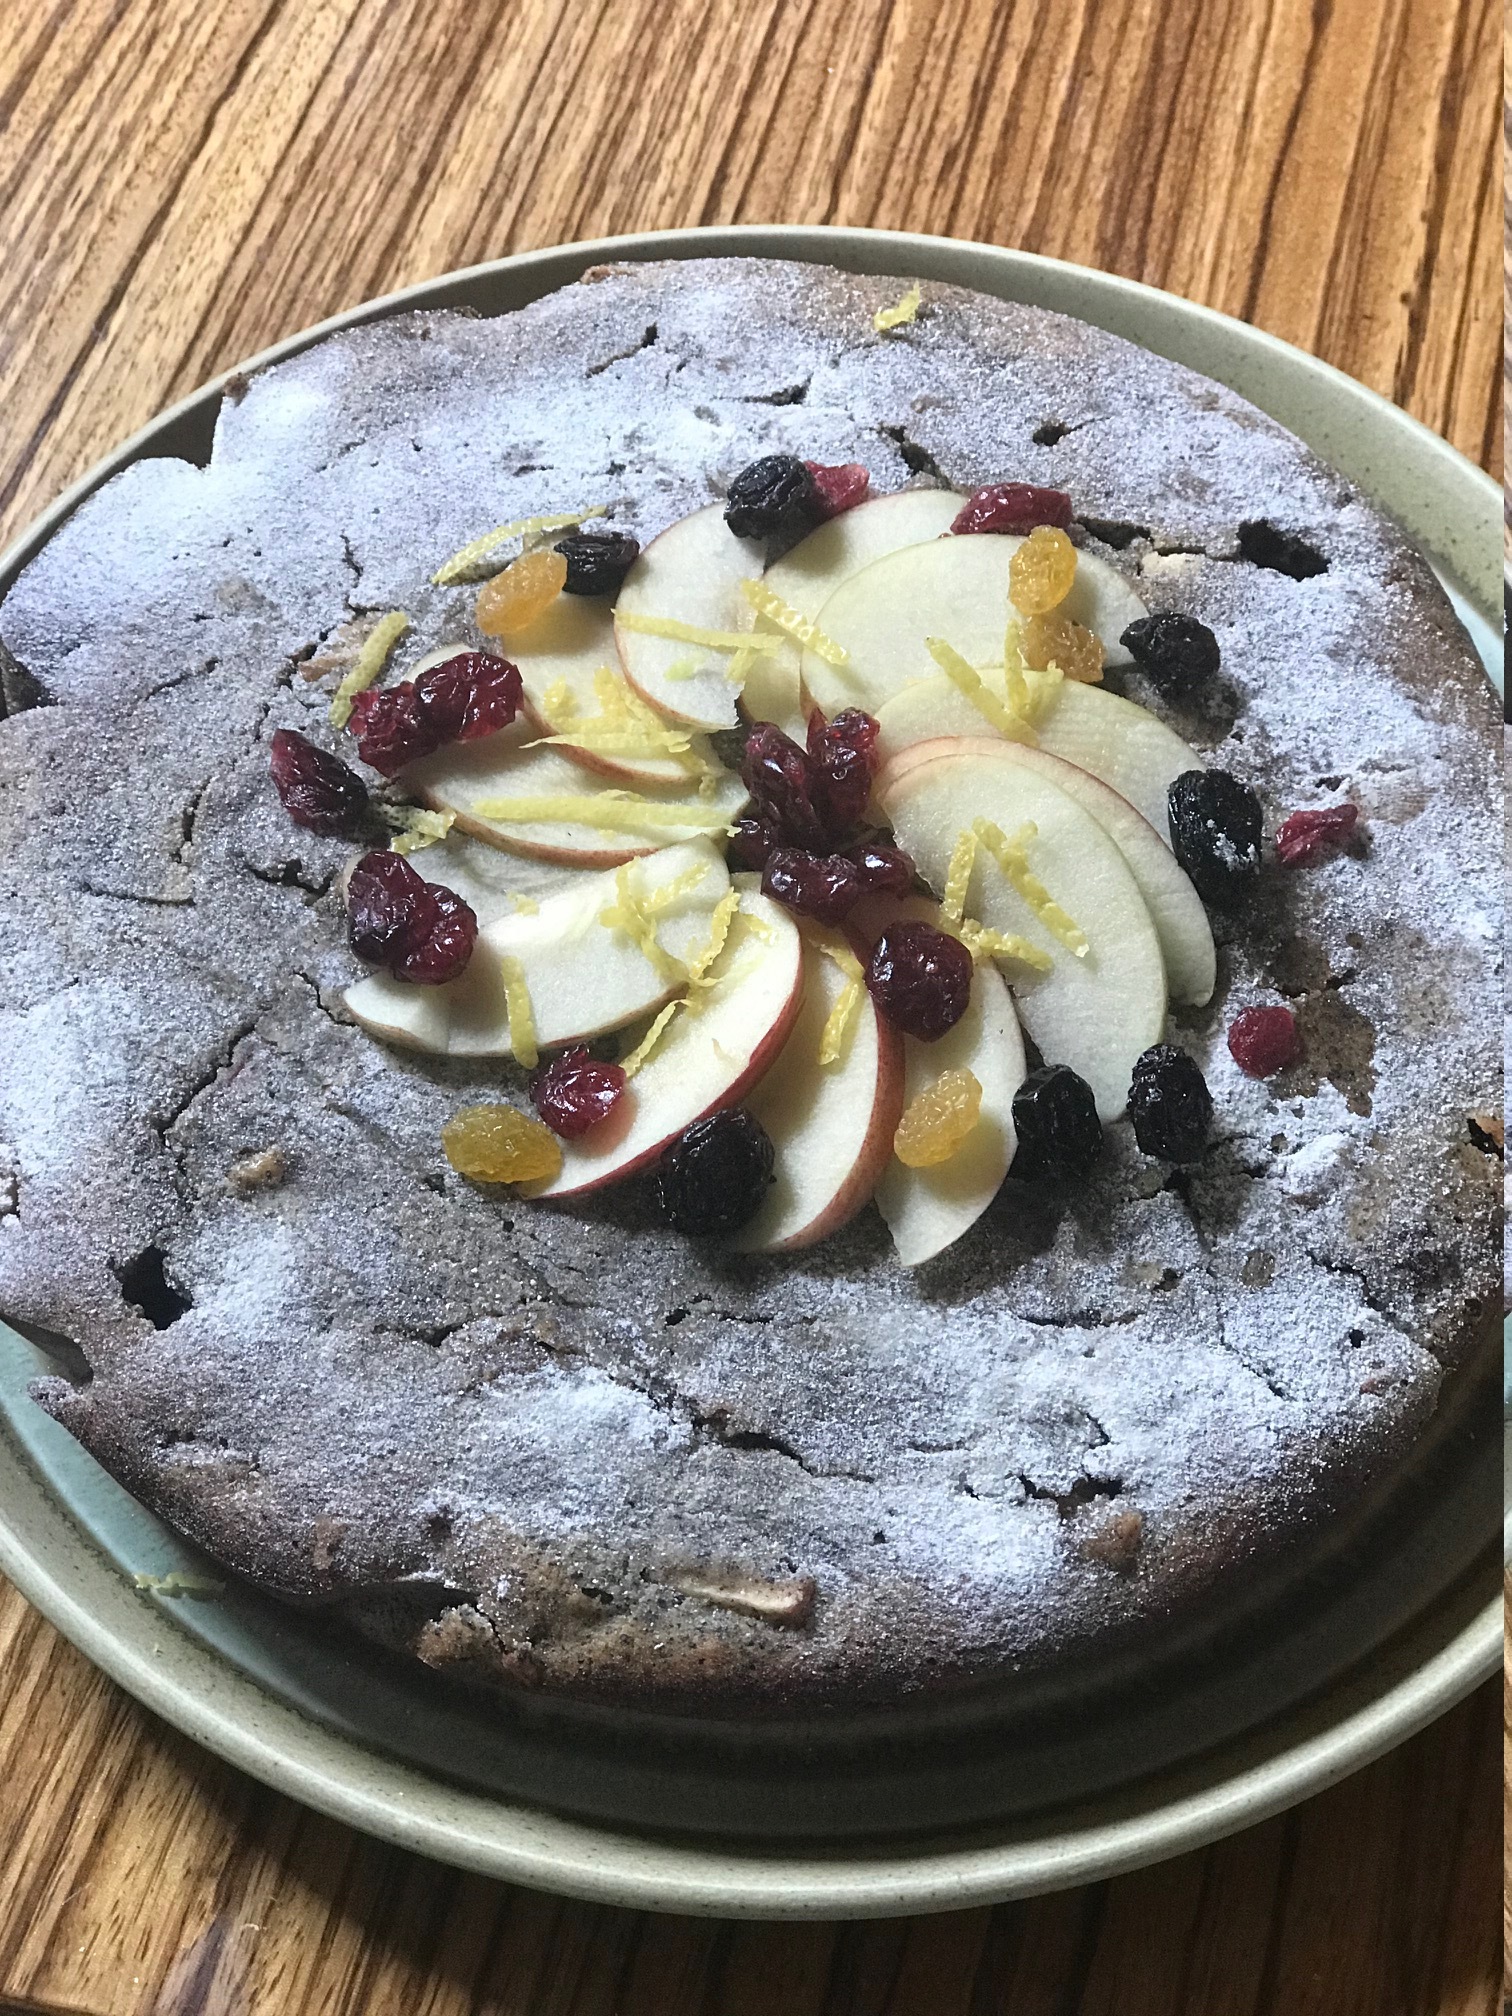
(526, 1442)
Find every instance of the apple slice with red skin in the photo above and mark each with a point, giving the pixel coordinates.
(691, 573)
(707, 1059)
(832, 1125)
(1176, 910)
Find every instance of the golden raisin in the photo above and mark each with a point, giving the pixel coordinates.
(500, 1144)
(938, 1120)
(1041, 571)
(1056, 640)
(513, 600)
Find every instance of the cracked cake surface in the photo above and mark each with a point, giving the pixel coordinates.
(560, 1446)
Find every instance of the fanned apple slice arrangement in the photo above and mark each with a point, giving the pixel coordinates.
(946, 836)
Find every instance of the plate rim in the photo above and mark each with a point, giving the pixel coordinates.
(230, 1715)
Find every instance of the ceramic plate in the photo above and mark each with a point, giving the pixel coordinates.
(1263, 1704)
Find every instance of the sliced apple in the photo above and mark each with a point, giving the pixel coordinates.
(832, 1125)
(1099, 1012)
(1129, 748)
(562, 658)
(493, 883)
(625, 823)
(955, 588)
(1181, 924)
(927, 1210)
(583, 977)
(707, 1058)
(806, 577)
(690, 574)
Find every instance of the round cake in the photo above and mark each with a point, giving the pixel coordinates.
(582, 1433)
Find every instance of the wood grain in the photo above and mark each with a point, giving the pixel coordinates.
(182, 184)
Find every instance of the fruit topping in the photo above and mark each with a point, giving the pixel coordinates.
(1266, 545)
(752, 841)
(938, 1120)
(920, 978)
(1178, 652)
(417, 929)
(576, 1091)
(716, 1173)
(1012, 507)
(317, 789)
(835, 1035)
(467, 696)
(775, 494)
(475, 561)
(969, 682)
(826, 887)
(1307, 836)
(526, 589)
(845, 751)
(1055, 1119)
(1262, 1041)
(1075, 650)
(1170, 1104)
(377, 649)
(1215, 833)
(786, 784)
(1042, 572)
(771, 605)
(900, 314)
(388, 728)
(610, 811)
(597, 562)
(414, 827)
(1012, 856)
(500, 1144)
(885, 871)
(838, 486)
(645, 1049)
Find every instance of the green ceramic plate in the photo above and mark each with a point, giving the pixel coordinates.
(1313, 1677)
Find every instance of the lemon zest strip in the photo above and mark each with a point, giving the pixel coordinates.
(983, 943)
(692, 633)
(835, 1035)
(767, 602)
(1012, 856)
(903, 311)
(376, 651)
(638, 1056)
(414, 827)
(461, 565)
(719, 931)
(522, 1028)
(968, 681)
(957, 878)
(609, 811)
(525, 906)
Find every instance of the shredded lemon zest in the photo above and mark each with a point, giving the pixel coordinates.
(719, 931)
(461, 565)
(376, 651)
(968, 681)
(691, 633)
(634, 911)
(608, 811)
(177, 1583)
(683, 668)
(835, 1034)
(740, 666)
(983, 943)
(1015, 682)
(957, 877)
(1044, 687)
(557, 702)
(638, 1056)
(1012, 856)
(522, 1028)
(414, 827)
(766, 602)
(901, 312)
(525, 906)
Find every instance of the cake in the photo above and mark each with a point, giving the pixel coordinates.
(558, 1443)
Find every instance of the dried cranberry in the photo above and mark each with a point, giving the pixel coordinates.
(389, 728)
(826, 887)
(920, 979)
(751, 842)
(1012, 507)
(575, 1092)
(786, 785)
(716, 1173)
(442, 954)
(597, 562)
(471, 695)
(844, 750)
(773, 495)
(1307, 836)
(317, 788)
(1263, 1040)
(884, 870)
(838, 486)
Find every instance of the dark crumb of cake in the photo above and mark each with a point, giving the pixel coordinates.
(1488, 1133)
(264, 1170)
(1116, 1542)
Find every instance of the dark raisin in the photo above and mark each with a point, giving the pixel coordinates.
(773, 495)
(825, 887)
(417, 929)
(469, 696)
(389, 728)
(920, 978)
(1055, 1119)
(884, 870)
(1170, 1104)
(317, 788)
(752, 841)
(1178, 652)
(838, 486)
(1266, 545)
(1215, 832)
(716, 1173)
(845, 753)
(1262, 1041)
(786, 784)
(1012, 507)
(442, 954)
(576, 1091)
(597, 562)
(1307, 836)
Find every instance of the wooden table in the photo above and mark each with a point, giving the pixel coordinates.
(182, 183)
